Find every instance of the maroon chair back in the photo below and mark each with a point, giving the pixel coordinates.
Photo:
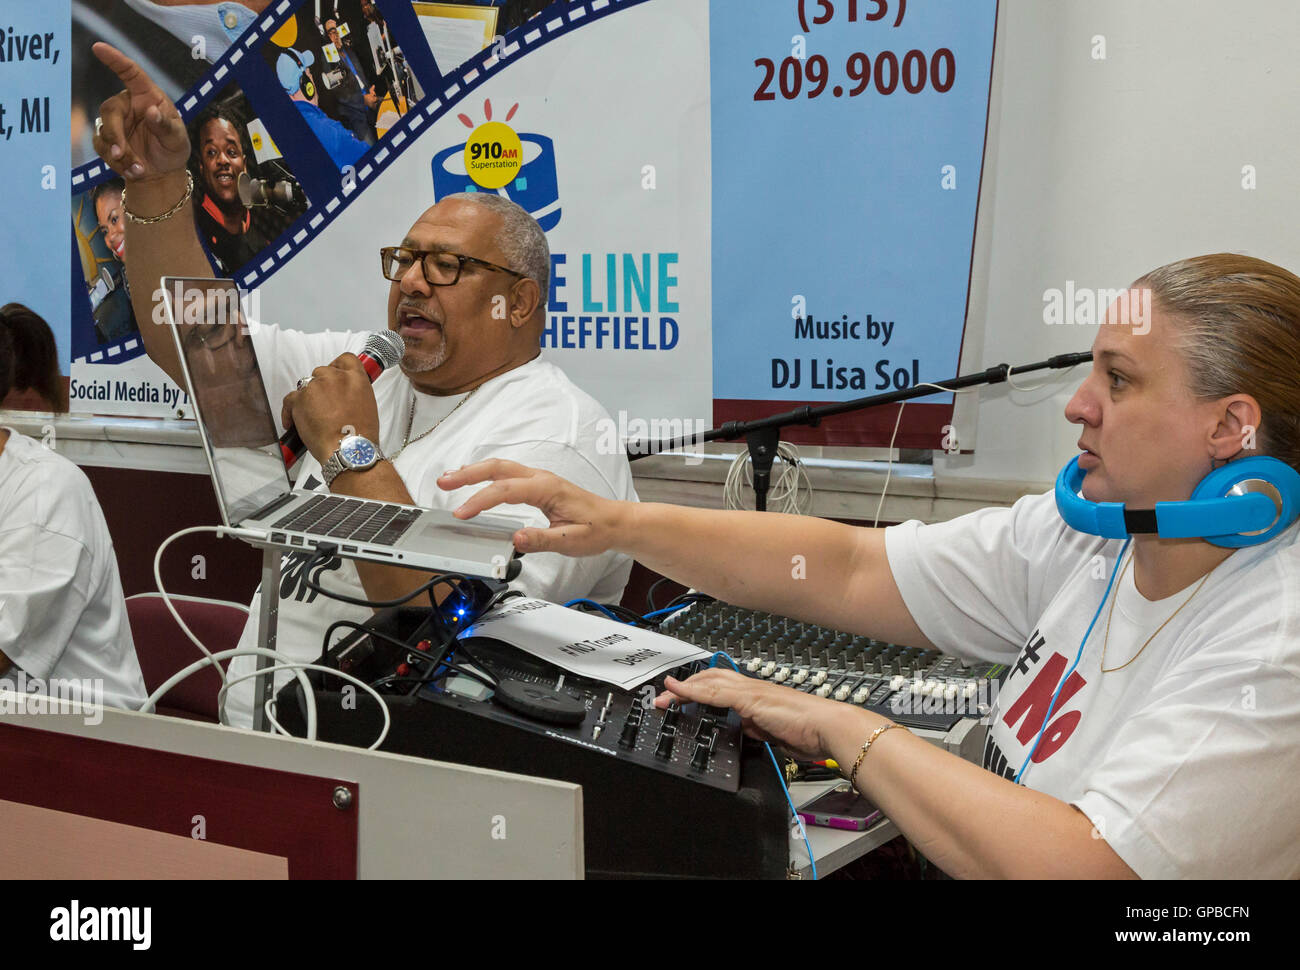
(163, 648)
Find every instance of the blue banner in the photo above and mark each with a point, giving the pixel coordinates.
(34, 157)
(848, 141)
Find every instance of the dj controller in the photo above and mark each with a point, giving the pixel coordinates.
(673, 792)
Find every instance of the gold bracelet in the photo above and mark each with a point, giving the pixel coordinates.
(150, 220)
(853, 775)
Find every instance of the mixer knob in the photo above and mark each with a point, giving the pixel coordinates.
(628, 738)
(842, 692)
(672, 714)
(700, 759)
(664, 749)
(819, 678)
(753, 664)
(860, 695)
(823, 691)
(799, 676)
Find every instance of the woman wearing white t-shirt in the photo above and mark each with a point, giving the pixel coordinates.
(63, 622)
(1151, 715)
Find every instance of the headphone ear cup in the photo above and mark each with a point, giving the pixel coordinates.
(1284, 479)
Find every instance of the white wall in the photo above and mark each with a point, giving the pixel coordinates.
(1098, 170)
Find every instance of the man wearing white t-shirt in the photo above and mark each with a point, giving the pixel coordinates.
(468, 296)
(440, 411)
(63, 623)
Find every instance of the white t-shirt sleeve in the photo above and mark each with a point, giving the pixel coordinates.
(286, 356)
(45, 583)
(1206, 740)
(975, 585)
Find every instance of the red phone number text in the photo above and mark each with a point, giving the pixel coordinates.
(811, 76)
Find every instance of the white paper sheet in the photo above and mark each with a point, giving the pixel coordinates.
(585, 643)
(453, 41)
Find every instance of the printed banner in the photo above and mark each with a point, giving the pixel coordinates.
(34, 254)
(853, 132)
(749, 206)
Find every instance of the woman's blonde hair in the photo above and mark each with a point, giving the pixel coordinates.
(1239, 331)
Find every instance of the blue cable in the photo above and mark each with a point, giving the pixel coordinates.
(608, 613)
(1077, 657)
(666, 609)
(780, 776)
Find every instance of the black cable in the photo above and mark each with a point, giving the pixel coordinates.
(327, 549)
(650, 594)
(401, 644)
(478, 661)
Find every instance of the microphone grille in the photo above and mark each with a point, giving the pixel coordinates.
(247, 190)
(386, 346)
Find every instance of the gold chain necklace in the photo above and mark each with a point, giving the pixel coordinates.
(1106, 642)
(410, 422)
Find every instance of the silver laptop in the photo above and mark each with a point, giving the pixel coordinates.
(251, 479)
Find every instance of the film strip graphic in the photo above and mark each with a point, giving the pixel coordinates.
(86, 177)
(553, 22)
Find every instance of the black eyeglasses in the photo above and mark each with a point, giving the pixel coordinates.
(439, 268)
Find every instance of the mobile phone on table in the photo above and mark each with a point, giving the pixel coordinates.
(840, 808)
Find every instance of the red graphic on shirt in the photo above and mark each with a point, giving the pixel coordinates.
(1033, 705)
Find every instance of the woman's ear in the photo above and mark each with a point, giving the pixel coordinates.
(1237, 430)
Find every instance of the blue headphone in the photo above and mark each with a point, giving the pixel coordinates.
(1244, 503)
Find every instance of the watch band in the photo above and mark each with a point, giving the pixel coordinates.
(331, 469)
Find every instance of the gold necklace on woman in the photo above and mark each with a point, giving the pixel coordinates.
(410, 422)
(1106, 642)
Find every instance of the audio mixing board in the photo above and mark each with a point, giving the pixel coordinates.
(935, 694)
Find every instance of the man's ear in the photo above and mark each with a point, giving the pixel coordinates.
(1237, 430)
(525, 297)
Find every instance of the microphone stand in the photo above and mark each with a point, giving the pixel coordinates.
(763, 435)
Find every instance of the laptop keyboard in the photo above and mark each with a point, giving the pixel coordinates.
(350, 518)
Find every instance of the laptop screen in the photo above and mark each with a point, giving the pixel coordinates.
(214, 339)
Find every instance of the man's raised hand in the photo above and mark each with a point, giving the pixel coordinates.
(141, 133)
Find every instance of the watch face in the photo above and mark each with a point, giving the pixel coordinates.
(356, 452)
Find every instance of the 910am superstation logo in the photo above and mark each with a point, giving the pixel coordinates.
(493, 155)
(607, 301)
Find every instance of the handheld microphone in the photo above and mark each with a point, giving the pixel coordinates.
(382, 350)
(108, 281)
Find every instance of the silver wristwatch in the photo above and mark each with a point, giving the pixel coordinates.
(354, 453)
